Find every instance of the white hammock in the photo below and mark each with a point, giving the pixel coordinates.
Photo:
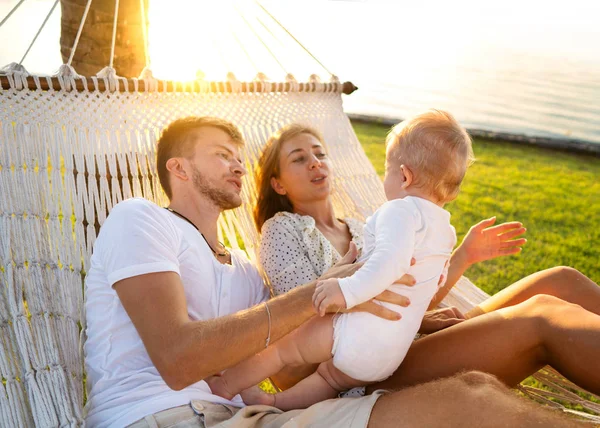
(68, 156)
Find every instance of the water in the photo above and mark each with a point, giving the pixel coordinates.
(514, 66)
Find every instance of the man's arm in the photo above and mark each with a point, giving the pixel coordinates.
(185, 351)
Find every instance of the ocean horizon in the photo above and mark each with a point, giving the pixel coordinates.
(520, 67)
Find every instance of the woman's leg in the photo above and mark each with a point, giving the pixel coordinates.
(565, 283)
(510, 343)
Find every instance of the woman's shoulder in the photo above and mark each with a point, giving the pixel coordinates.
(356, 228)
(354, 225)
(284, 220)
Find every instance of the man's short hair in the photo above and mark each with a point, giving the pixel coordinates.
(438, 150)
(175, 142)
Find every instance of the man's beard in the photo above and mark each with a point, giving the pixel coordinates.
(221, 198)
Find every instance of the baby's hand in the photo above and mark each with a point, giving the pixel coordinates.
(328, 297)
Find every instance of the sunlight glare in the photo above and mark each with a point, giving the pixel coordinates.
(187, 37)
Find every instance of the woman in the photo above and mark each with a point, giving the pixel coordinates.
(521, 329)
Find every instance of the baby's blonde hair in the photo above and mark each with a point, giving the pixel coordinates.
(436, 148)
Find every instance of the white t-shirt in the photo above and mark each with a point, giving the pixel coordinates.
(137, 238)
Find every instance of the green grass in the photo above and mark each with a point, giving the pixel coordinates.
(556, 195)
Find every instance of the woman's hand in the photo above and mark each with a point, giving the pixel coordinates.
(345, 266)
(485, 241)
(440, 319)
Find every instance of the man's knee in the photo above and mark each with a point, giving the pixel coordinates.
(475, 378)
(482, 391)
(460, 400)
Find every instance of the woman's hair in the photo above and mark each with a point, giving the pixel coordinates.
(269, 202)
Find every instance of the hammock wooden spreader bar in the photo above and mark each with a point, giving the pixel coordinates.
(145, 85)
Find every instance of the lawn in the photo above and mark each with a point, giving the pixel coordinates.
(556, 195)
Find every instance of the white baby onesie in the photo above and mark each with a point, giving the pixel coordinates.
(370, 348)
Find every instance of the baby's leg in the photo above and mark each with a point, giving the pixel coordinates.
(327, 382)
(310, 343)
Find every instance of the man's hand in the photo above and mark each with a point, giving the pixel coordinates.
(485, 241)
(440, 319)
(346, 267)
(328, 297)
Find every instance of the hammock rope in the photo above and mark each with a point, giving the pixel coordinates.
(38, 32)
(79, 31)
(260, 39)
(243, 48)
(13, 10)
(114, 35)
(239, 35)
(292, 36)
(144, 32)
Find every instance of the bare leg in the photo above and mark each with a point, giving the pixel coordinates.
(310, 343)
(290, 376)
(327, 382)
(563, 282)
(511, 343)
(467, 400)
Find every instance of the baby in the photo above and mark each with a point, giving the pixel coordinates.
(426, 160)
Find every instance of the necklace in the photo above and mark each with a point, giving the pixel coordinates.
(223, 254)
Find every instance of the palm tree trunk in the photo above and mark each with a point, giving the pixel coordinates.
(93, 51)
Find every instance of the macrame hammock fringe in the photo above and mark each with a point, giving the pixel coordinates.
(72, 147)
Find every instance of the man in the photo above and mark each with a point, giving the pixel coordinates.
(167, 305)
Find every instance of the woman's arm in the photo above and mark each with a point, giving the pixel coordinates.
(482, 242)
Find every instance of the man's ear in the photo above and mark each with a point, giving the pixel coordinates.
(176, 167)
(276, 185)
(407, 176)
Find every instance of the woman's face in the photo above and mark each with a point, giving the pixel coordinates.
(305, 170)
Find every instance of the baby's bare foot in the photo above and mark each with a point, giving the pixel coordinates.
(218, 387)
(255, 395)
